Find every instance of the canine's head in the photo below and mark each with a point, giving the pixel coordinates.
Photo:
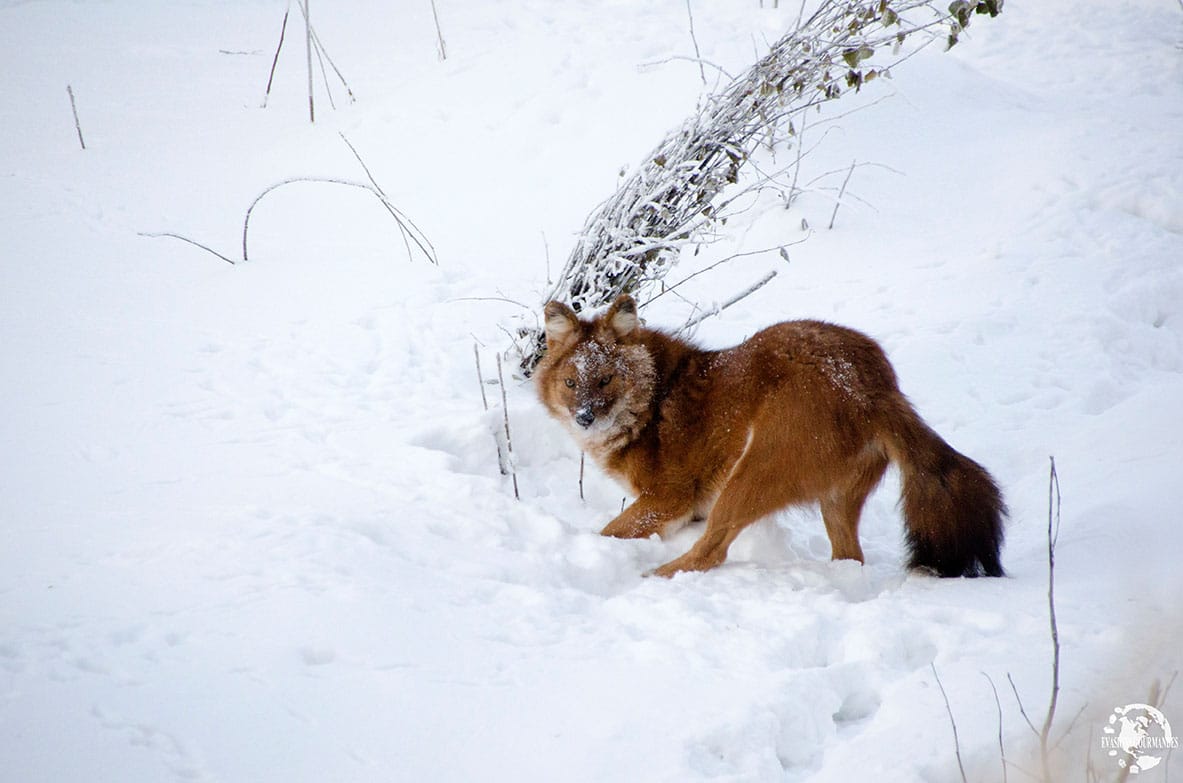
(597, 376)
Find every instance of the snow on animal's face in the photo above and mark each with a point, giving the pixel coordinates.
(596, 378)
(601, 391)
(593, 377)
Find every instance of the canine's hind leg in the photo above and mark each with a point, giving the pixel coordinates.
(843, 506)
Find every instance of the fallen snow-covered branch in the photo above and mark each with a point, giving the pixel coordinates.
(682, 192)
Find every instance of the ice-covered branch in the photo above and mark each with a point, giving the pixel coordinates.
(677, 195)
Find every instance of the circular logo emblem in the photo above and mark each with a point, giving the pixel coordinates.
(1138, 736)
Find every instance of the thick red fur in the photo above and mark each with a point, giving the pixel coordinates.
(801, 412)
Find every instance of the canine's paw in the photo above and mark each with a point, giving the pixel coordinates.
(666, 571)
(618, 528)
(690, 561)
(678, 566)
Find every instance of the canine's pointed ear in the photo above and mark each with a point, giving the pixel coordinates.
(561, 324)
(622, 316)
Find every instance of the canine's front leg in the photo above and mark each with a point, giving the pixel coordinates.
(646, 516)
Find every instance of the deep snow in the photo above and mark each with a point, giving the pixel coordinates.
(252, 522)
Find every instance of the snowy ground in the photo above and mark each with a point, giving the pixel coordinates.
(251, 522)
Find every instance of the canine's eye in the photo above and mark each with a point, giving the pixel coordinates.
(607, 379)
(570, 383)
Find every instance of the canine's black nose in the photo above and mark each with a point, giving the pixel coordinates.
(584, 417)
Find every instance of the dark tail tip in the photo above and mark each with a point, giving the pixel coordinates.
(955, 514)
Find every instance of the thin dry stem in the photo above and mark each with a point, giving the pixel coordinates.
(275, 60)
(398, 216)
(695, 321)
(442, 48)
(673, 288)
(190, 241)
(998, 706)
(508, 438)
(74, 109)
(1022, 711)
(1071, 726)
(324, 74)
(1053, 534)
(410, 231)
(325, 52)
(952, 722)
(476, 352)
(485, 401)
(308, 51)
(841, 193)
(694, 39)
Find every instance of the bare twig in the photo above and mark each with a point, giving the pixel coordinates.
(952, 722)
(399, 217)
(505, 299)
(74, 109)
(485, 401)
(694, 39)
(998, 706)
(581, 457)
(308, 49)
(508, 438)
(1071, 726)
(442, 48)
(800, 133)
(546, 256)
(1090, 769)
(1174, 674)
(1053, 534)
(720, 308)
(246, 222)
(321, 48)
(313, 44)
(190, 241)
(274, 60)
(1019, 699)
(409, 230)
(841, 192)
(671, 289)
(324, 74)
(476, 352)
(651, 64)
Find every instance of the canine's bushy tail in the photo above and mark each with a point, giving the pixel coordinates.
(953, 510)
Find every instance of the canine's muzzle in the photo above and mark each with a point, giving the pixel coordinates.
(584, 417)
